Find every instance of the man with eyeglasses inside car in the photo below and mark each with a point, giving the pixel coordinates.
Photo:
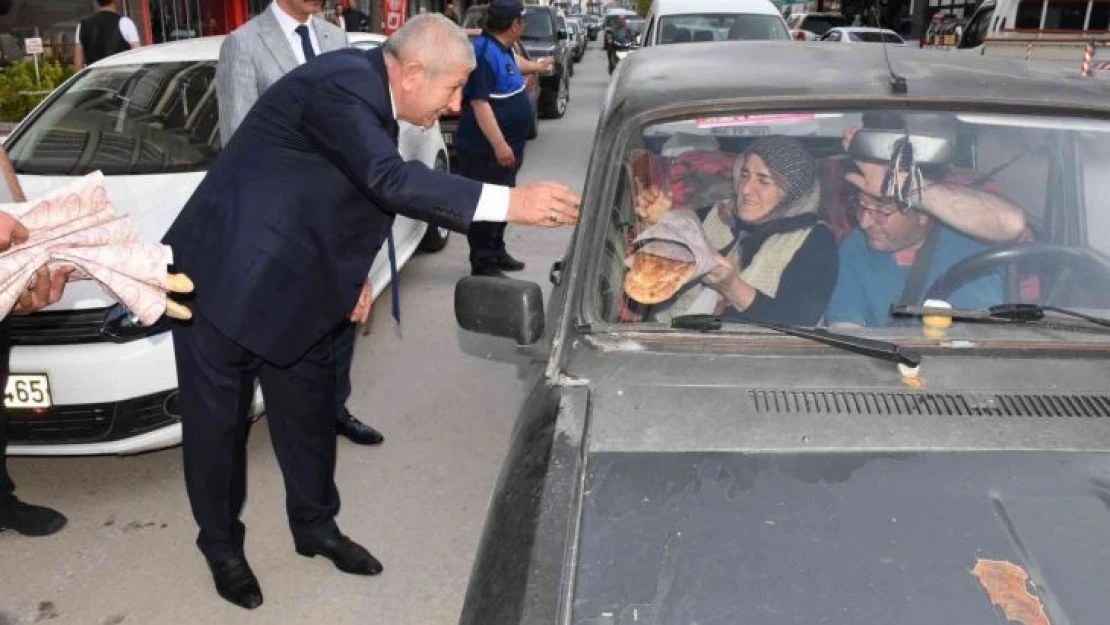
(903, 241)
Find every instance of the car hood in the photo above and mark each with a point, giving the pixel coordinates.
(714, 494)
(152, 201)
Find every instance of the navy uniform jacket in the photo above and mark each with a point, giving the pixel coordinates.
(498, 80)
(280, 235)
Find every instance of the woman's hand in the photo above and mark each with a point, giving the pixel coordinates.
(725, 279)
(722, 276)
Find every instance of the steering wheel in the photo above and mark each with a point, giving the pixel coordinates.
(1049, 255)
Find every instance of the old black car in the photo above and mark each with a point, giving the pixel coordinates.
(717, 469)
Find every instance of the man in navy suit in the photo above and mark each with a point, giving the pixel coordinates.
(278, 240)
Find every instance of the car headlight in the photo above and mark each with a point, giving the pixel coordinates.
(120, 326)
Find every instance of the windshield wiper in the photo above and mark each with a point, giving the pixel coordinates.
(1032, 314)
(883, 350)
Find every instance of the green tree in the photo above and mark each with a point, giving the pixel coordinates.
(642, 7)
(19, 93)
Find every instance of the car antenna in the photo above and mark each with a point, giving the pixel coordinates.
(898, 84)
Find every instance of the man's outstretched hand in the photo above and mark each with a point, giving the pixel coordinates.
(544, 204)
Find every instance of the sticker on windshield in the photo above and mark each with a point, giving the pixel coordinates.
(740, 131)
(745, 120)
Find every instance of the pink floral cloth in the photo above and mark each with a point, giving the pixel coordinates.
(76, 225)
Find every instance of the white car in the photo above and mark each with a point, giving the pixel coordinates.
(692, 21)
(863, 34)
(85, 379)
(813, 26)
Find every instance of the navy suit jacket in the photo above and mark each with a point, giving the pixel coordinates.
(280, 235)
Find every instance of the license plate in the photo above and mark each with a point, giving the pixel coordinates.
(448, 138)
(27, 391)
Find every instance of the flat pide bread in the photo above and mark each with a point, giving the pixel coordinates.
(654, 279)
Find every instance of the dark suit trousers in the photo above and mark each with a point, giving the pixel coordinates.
(487, 238)
(344, 347)
(216, 377)
(7, 488)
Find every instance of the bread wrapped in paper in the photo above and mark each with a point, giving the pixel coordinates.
(667, 256)
(76, 226)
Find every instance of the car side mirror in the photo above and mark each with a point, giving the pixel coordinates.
(561, 35)
(500, 307)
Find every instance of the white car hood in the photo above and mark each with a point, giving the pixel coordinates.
(152, 201)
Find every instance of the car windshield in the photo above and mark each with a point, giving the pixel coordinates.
(794, 217)
(874, 37)
(821, 24)
(131, 119)
(537, 25)
(721, 27)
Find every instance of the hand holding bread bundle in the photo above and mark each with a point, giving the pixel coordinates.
(651, 203)
(667, 256)
(74, 231)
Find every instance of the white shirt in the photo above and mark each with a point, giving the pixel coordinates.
(127, 29)
(289, 27)
(493, 203)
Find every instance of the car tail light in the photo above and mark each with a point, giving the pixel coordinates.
(799, 36)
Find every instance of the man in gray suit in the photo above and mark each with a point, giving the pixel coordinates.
(252, 58)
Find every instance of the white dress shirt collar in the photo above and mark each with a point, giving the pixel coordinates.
(289, 26)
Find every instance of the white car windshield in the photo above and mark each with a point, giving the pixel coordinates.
(870, 36)
(131, 119)
(721, 27)
(796, 217)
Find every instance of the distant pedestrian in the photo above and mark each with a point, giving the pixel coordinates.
(354, 21)
(103, 34)
(450, 13)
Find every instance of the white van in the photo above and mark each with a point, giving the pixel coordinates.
(688, 21)
(1053, 33)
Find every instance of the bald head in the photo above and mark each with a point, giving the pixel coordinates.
(433, 41)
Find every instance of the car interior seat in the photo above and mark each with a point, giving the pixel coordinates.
(703, 35)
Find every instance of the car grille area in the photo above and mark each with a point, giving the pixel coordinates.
(886, 403)
(93, 423)
(66, 327)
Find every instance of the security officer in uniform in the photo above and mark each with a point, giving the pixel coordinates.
(496, 120)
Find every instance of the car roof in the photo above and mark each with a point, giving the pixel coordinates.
(864, 29)
(679, 7)
(198, 49)
(813, 72)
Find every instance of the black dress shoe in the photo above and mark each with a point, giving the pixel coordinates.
(508, 263)
(31, 520)
(348, 556)
(489, 271)
(235, 582)
(358, 431)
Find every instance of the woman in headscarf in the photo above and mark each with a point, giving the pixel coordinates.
(780, 260)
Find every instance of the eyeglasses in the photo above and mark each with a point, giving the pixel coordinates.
(878, 208)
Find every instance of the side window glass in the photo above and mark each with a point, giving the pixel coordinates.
(978, 30)
(1029, 14)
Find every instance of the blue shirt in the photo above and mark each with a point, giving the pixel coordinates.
(496, 79)
(869, 281)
